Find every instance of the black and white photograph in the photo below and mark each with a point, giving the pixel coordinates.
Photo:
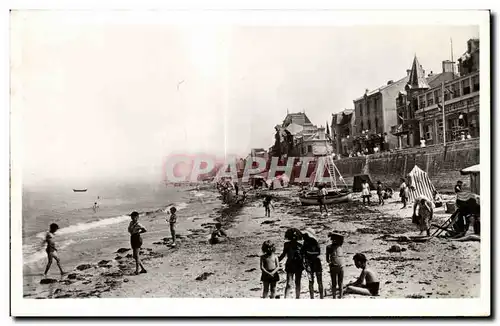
(162, 156)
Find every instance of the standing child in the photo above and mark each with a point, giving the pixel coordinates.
(365, 191)
(367, 282)
(267, 203)
(380, 193)
(51, 249)
(136, 229)
(269, 265)
(403, 192)
(335, 260)
(294, 262)
(312, 263)
(173, 220)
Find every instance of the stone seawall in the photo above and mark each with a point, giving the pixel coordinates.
(442, 164)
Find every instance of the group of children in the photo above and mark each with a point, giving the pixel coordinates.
(305, 255)
(299, 255)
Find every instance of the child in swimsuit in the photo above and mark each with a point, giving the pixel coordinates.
(51, 249)
(267, 203)
(367, 282)
(136, 229)
(172, 220)
(269, 265)
(335, 260)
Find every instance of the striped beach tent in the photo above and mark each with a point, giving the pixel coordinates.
(419, 184)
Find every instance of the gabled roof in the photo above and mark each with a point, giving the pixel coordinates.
(299, 118)
(417, 78)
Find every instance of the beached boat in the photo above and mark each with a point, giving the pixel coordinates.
(335, 195)
(79, 190)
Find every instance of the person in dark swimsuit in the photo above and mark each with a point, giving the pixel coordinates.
(294, 261)
(267, 204)
(312, 263)
(367, 282)
(136, 229)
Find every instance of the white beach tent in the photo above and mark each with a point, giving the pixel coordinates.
(473, 171)
(420, 184)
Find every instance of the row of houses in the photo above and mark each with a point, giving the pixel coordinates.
(408, 112)
(404, 113)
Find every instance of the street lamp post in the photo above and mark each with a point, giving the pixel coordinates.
(444, 122)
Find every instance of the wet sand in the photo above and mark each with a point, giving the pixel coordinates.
(439, 268)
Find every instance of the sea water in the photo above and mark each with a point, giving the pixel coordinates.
(86, 235)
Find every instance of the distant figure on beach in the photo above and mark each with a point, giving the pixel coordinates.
(423, 210)
(365, 191)
(323, 192)
(294, 263)
(403, 192)
(95, 207)
(172, 221)
(458, 187)
(136, 229)
(367, 282)
(236, 189)
(336, 262)
(269, 265)
(312, 263)
(218, 235)
(438, 199)
(267, 204)
(380, 193)
(51, 249)
(388, 192)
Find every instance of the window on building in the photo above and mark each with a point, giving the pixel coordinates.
(455, 90)
(361, 110)
(466, 86)
(437, 96)
(422, 102)
(475, 83)
(446, 95)
(430, 99)
(369, 125)
(309, 148)
(428, 132)
(362, 126)
(376, 124)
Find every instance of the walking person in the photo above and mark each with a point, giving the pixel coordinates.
(51, 249)
(312, 263)
(425, 209)
(136, 229)
(294, 265)
(365, 191)
(403, 192)
(380, 193)
(323, 192)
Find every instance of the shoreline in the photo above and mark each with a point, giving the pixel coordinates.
(205, 270)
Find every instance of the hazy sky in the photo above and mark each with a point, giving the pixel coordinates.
(107, 101)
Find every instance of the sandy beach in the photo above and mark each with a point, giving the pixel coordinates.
(437, 268)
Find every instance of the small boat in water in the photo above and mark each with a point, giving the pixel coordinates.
(79, 190)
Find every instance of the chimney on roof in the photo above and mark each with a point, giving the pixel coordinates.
(408, 72)
(448, 66)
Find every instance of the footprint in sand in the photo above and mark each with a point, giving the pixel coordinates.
(250, 270)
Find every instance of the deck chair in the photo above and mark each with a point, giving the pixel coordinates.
(446, 226)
